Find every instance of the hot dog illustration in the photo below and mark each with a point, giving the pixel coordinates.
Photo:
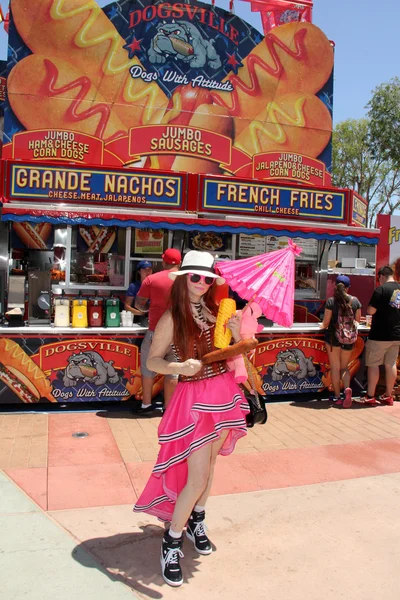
(33, 236)
(181, 46)
(296, 56)
(21, 374)
(212, 118)
(57, 95)
(98, 239)
(293, 122)
(79, 30)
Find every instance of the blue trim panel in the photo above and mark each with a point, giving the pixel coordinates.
(61, 220)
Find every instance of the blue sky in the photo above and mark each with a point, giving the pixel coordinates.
(366, 34)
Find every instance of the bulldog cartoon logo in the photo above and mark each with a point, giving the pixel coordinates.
(89, 367)
(182, 41)
(293, 363)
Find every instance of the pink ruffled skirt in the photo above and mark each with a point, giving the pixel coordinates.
(197, 414)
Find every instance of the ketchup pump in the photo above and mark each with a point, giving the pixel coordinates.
(95, 310)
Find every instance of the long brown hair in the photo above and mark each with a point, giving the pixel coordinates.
(342, 299)
(186, 332)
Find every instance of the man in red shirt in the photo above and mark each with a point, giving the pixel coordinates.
(154, 294)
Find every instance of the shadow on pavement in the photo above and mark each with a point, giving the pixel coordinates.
(134, 558)
(326, 404)
(128, 414)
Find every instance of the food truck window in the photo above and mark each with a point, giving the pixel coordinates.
(98, 256)
(306, 282)
(40, 246)
(308, 264)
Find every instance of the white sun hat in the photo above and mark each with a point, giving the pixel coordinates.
(200, 263)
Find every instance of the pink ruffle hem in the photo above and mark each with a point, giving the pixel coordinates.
(197, 414)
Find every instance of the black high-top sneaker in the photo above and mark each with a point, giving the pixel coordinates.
(170, 556)
(196, 532)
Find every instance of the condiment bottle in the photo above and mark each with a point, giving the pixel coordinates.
(79, 312)
(61, 311)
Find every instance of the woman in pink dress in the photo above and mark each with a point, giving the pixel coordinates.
(205, 417)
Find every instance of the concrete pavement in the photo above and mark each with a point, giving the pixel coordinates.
(306, 507)
(40, 561)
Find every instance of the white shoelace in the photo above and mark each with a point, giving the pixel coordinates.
(171, 558)
(200, 529)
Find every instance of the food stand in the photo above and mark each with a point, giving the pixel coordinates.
(196, 142)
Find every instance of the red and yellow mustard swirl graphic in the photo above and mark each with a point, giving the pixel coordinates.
(79, 32)
(275, 70)
(82, 85)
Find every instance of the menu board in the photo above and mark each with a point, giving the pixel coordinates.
(251, 245)
(149, 241)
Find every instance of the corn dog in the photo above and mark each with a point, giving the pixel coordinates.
(79, 30)
(222, 333)
(293, 122)
(229, 351)
(295, 56)
(212, 118)
(59, 96)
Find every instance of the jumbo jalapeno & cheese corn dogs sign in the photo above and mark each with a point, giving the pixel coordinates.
(177, 86)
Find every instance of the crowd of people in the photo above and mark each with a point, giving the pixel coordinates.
(340, 323)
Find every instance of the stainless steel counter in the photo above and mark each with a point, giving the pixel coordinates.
(43, 329)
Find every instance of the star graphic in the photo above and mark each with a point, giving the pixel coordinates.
(133, 47)
(233, 62)
(113, 13)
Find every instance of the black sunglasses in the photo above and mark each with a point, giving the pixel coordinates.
(195, 278)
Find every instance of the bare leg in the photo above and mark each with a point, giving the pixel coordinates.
(373, 378)
(215, 448)
(169, 388)
(334, 361)
(391, 374)
(344, 363)
(147, 386)
(198, 475)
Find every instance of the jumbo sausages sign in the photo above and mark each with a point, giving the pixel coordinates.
(127, 188)
(177, 86)
(244, 196)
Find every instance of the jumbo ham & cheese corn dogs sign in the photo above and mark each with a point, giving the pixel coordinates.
(177, 86)
(128, 188)
(241, 196)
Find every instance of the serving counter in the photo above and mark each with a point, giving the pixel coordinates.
(43, 364)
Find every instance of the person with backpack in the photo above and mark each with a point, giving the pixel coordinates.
(340, 322)
(383, 343)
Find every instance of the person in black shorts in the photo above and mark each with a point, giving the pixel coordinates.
(341, 303)
(383, 343)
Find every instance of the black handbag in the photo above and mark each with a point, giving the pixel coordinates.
(258, 410)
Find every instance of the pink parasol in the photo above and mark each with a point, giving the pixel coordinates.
(267, 279)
